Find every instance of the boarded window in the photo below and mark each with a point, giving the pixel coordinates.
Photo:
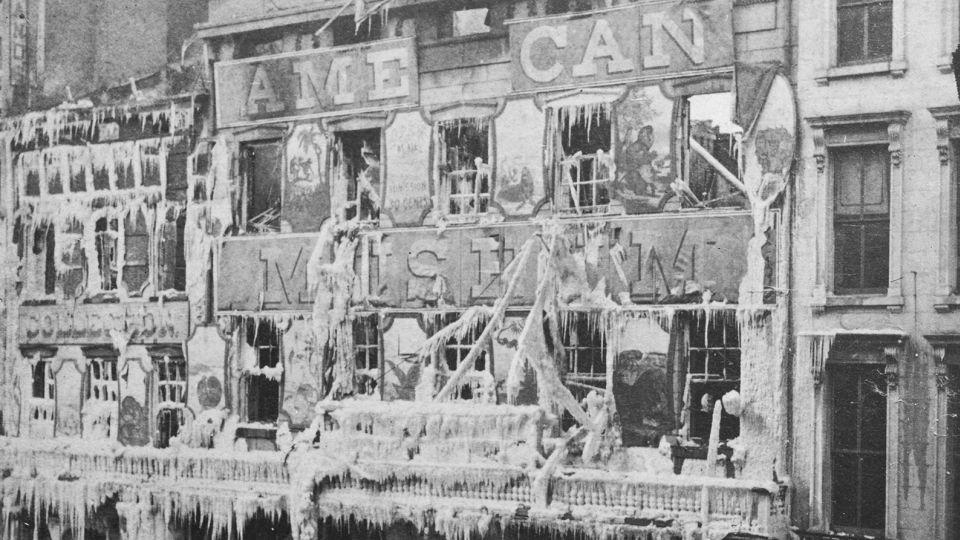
(263, 393)
(261, 163)
(356, 162)
(583, 165)
(713, 370)
(463, 165)
(858, 447)
(864, 30)
(861, 219)
(106, 236)
(136, 253)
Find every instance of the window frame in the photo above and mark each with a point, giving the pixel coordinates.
(857, 130)
(336, 160)
(695, 422)
(365, 349)
(247, 153)
(563, 191)
(865, 25)
(254, 382)
(459, 349)
(861, 221)
(948, 149)
(823, 17)
(166, 363)
(486, 167)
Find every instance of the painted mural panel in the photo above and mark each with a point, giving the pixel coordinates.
(315, 82)
(401, 345)
(302, 369)
(519, 157)
(306, 188)
(207, 351)
(633, 42)
(645, 160)
(408, 191)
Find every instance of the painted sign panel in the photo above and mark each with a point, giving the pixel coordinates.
(264, 273)
(408, 164)
(90, 324)
(316, 82)
(633, 42)
(659, 259)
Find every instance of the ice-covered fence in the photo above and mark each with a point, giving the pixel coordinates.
(434, 431)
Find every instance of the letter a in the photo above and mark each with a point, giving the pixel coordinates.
(602, 44)
(262, 98)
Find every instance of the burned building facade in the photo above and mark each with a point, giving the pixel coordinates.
(443, 268)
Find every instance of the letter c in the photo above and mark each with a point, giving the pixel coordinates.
(556, 34)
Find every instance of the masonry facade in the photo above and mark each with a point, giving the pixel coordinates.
(446, 268)
(876, 220)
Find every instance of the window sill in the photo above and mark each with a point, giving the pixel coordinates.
(894, 68)
(893, 304)
(946, 304)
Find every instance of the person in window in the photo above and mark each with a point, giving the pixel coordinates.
(368, 183)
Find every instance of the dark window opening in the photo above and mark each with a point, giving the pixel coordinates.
(861, 219)
(102, 380)
(585, 358)
(464, 165)
(858, 447)
(72, 276)
(463, 22)
(171, 396)
(456, 350)
(43, 245)
(346, 32)
(713, 370)
(707, 125)
(261, 163)
(584, 164)
(136, 254)
(172, 260)
(952, 489)
(366, 347)
(106, 237)
(263, 393)
(180, 263)
(43, 381)
(357, 160)
(864, 30)
(555, 7)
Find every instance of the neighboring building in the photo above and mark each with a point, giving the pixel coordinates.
(506, 268)
(875, 426)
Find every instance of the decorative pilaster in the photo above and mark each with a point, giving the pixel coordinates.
(947, 119)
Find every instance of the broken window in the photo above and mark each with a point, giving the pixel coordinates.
(463, 165)
(43, 381)
(585, 353)
(861, 219)
(366, 347)
(263, 389)
(583, 166)
(711, 150)
(864, 30)
(858, 447)
(136, 253)
(713, 369)
(463, 22)
(261, 165)
(457, 349)
(103, 380)
(356, 161)
(346, 32)
(106, 235)
(101, 408)
(171, 372)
